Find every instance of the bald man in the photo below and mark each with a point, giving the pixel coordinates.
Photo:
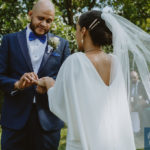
(27, 123)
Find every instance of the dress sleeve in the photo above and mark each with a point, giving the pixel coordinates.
(57, 95)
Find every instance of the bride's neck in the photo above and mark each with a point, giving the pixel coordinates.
(88, 45)
(91, 49)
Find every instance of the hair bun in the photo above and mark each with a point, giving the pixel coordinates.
(99, 32)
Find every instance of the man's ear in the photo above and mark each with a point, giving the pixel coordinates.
(30, 14)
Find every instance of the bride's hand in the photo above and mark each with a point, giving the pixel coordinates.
(43, 84)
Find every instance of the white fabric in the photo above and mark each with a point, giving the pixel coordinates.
(135, 121)
(36, 52)
(130, 39)
(130, 43)
(97, 115)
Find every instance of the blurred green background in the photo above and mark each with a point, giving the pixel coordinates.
(13, 18)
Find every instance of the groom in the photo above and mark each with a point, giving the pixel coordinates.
(27, 123)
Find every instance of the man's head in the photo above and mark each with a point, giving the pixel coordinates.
(42, 15)
(134, 76)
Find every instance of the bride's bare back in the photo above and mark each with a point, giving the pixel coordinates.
(102, 63)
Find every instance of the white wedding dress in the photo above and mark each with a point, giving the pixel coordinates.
(97, 115)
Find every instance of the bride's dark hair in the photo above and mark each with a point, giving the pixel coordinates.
(99, 32)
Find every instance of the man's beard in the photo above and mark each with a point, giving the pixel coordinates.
(33, 28)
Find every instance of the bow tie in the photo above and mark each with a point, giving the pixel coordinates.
(32, 37)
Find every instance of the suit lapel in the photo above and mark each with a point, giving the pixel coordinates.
(45, 56)
(24, 48)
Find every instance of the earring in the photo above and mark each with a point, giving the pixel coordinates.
(82, 41)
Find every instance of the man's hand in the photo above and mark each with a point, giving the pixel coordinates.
(26, 80)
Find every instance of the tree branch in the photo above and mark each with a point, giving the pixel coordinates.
(56, 3)
(91, 5)
(69, 11)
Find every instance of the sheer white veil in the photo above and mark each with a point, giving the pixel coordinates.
(128, 39)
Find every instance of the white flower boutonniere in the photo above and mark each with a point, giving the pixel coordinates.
(53, 42)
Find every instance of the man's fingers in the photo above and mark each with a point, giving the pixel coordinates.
(35, 76)
(30, 77)
(26, 79)
(24, 83)
(39, 83)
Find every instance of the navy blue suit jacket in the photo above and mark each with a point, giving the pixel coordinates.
(14, 62)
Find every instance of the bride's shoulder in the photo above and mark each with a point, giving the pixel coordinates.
(72, 63)
(74, 57)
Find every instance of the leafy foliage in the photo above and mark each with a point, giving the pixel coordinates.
(136, 11)
(13, 15)
(13, 18)
(70, 8)
(62, 29)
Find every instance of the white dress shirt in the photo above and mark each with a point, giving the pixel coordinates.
(36, 51)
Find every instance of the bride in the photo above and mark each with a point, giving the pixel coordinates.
(91, 90)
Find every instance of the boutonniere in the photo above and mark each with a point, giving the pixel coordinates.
(53, 43)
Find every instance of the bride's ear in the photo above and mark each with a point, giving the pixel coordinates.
(83, 30)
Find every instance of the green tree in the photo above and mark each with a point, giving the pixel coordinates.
(13, 14)
(70, 8)
(13, 18)
(59, 27)
(136, 11)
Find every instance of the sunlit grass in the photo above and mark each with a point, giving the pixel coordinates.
(62, 144)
